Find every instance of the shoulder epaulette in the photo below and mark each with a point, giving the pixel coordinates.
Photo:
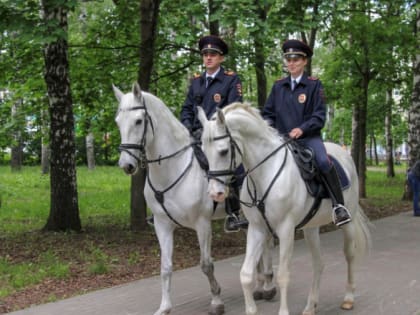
(281, 79)
(313, 78)
(229, 72)
(196, 75)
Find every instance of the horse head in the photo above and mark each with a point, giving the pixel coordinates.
(134, 123)
(222, 152)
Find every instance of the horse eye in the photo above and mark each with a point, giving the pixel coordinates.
(224, 152)
(138, 122)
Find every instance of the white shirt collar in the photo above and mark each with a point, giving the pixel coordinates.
(212, 75)
(297, 79)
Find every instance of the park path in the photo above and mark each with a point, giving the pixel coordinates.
(388, 282)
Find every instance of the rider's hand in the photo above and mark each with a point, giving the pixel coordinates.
(295, 133)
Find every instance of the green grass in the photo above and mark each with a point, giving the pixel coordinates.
(17, 276)
(382, 190)
(103, 194)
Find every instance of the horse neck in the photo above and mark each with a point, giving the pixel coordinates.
(256, 151)
(168, 138)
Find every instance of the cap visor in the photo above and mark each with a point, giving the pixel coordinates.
(211, 50)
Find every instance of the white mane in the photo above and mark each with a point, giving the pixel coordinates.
(158, 111)
(244, 117)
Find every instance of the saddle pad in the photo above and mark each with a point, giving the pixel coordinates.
(344, 180)
(315, 186)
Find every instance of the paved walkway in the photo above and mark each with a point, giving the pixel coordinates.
(388, 282)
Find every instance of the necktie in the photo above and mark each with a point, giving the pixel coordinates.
(294, 83)
(209, 79)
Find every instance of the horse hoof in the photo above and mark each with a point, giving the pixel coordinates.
(347, 305)
(218, 309)
(269, 294)
(258, 295)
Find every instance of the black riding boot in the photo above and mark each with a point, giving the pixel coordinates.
(233, 221)
(341, 215)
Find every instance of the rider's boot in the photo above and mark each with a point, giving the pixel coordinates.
(341, 215)
(234, 222)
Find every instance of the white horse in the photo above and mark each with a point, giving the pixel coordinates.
(176, 186)
(238, 134)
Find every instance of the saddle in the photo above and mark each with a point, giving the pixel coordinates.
(304, 158)
(310, 173)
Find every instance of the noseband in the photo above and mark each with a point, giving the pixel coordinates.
(231, 171)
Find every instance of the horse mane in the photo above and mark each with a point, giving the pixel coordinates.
(243, 113)
(160, 113)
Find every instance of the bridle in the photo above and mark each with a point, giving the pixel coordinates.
(259, 203)
(144, 162)
(231, 171)
(141, 147)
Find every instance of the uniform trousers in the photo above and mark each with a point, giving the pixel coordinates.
(320, 153)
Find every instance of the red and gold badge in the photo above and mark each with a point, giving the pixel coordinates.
(217, 97)
(302, 98)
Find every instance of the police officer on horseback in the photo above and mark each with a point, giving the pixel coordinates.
(212, 89)
(296, 107)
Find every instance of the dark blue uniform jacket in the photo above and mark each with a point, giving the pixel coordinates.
(223, 90)
(303, 108)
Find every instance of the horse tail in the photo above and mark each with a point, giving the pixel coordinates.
(362, 236)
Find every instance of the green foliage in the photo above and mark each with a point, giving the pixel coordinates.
(352, 38)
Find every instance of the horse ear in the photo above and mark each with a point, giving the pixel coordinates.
(118, 93)
(220, 117)
(137, 91)
(202, 116)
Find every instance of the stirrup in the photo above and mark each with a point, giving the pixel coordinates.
(150, 220)
(344, 220)
(234, 229)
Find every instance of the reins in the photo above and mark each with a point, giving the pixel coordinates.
(260, 204)
(144, 162)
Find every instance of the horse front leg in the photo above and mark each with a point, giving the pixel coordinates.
(286, 238)
(349, 253)
(314, 243)
(203, 229)
(165, 235)
(254, 247)
(265, 287)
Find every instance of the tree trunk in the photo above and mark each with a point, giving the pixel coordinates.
(388, 136)
(259, 61)
(149, 10)
(45, 147)
(213, 23)
(414, 112)
(16, 158)
(64, 209)
(45, 157)
(90, 151)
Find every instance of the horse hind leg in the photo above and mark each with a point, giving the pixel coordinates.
(349, 253)
(313, 240)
